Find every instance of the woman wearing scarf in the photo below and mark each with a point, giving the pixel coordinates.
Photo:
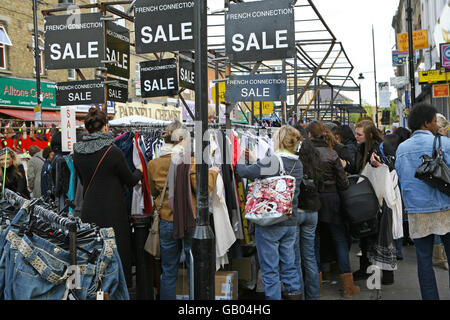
(104, 200)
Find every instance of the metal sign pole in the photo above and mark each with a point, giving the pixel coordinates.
(203, 242)
(38, 111)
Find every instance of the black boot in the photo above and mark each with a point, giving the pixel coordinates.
(362, 274)
(388, 278)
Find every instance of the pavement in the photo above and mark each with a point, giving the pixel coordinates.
(406, 282)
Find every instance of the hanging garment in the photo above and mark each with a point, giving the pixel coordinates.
(383, 252)
(137, 202)
(147, 202)
(183, 213)
(222, 227)
(385, 184)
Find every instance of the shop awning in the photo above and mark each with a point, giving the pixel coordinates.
(48, 117)
(4, 38)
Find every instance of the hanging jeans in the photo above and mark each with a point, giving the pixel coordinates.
(170, 258)
(276, 257)
(40, 271)
(427, 277)
(305, 255)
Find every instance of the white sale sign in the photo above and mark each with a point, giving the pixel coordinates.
(68, 127)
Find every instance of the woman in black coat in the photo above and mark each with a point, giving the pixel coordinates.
(15, 174)
(104, 200)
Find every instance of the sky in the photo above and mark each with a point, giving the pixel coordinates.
(351, 22)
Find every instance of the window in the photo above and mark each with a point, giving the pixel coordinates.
(71, 75)
(120, 21)
(4, 41)
(41, 56)
(93, 10)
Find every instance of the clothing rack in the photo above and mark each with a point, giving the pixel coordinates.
(52, 217)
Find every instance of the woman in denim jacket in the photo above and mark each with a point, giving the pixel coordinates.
(275, 243)
(428, 209)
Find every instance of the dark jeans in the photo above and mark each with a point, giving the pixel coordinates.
(340, 241)
(427, 278)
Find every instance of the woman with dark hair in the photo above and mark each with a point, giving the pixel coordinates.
(15, 179)
(103, 172)
(306, 259)
(334, 180)
(348, 140)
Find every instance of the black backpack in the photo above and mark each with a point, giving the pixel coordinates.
(361, 207)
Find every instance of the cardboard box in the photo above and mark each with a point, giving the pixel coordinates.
(226, 285)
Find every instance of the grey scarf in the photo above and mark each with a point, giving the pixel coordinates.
(94, 142)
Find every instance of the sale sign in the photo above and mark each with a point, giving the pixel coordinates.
(445, 55)
(68, 128)
(440, 91)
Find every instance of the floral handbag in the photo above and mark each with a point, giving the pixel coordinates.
(269, 200)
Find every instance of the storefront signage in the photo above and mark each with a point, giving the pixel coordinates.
(187, 74)
(68, 128)
(420, 40)
(159, 78)
(154, 111)
(74, 44)
(267, 107)
(260, 30)
(433, 76)
(16, 92)
(164, 25)
(440, 91)
(118, 49)
(445, 55)
(259, 87)
(117, 92)
(80, 92)
(399, 58)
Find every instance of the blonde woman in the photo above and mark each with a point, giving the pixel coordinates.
(442, 125)
(275, 243)
(15, 179)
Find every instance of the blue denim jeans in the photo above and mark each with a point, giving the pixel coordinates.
(340, 242)
(427, 278)
(275, 246)
(170, 258)
(305, 255)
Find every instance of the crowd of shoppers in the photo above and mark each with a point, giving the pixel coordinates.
(293, 255)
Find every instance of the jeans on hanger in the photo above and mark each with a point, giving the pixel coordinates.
(275, 245)
(170, 258)
(305, 255)
(427, 277)
(5, 248)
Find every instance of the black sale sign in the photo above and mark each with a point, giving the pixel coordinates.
(74, 41)
(118, 50)
(186, 70)
(260, 30)
(159, 78)
(257, 87)
(164, 25)
(118, 91)
(80, 92)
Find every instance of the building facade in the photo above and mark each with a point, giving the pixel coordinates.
(432, 16)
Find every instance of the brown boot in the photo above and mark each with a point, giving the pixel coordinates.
(349, 288)
(320, 281)
(293, 296)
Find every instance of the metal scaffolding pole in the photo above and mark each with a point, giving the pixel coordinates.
(203, 240)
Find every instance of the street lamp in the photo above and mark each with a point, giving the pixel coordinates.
(360, 79)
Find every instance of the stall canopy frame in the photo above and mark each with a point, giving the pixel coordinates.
(321, 61)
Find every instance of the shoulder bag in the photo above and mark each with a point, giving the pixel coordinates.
(269, 201)
(152, 245)
(361, 207)
(434, 171)
(96, 169)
